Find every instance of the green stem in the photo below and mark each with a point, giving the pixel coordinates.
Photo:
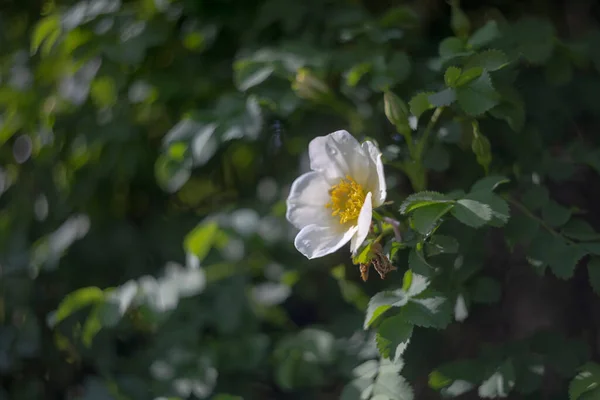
(421, 145)
(531, 215)
(414, 168)
(409, 142)
(395, 227)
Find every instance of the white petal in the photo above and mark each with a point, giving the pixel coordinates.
(317, 241)
(307, 199)
(376, 174)
(364, 224)
(337, 155)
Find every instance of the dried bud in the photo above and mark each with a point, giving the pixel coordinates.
(364, 272)
(381, 263)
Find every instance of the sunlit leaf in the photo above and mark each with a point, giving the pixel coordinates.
(472, 212)
(382, 302)
(200, 240)
(392, 337)
(76, 301)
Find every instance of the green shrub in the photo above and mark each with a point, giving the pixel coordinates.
(148, 150)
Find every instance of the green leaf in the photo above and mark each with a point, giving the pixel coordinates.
(392, 337)
(469, 75)
(587, 380)
(458, 20)
(200, 240)
(499, 206)
(441, 244)
(594, 273)
(368, 369)
(391, 386)
(46, 31)
(500, 383)
(489, 183)
(76, 301)
(382, 302)
(355, 74)
(560, 256)
(437, 158)
(563, 355)
(358, 389)
(511, 109)
(489, 60)
(478, 96)
(390, 72)
(466, 267)
(91, 327)
(428, 310)
(399, 67)
(443, 98)
(591, 158)
(564, 258)
(534, 39)
(460, 370)
(438, 381)
(486, 290)
(580, 230)
(559, 69)
(591, 395)
(400, 16)
(394, 248)
(592, 248)
(539, 250)
(418, 284)
(452, 47)
(530, 372)
(407, 280)
(424, 219)
(225, 396)
(472, 213)
(554, 214)
(423, 199)
(420, 103)
(456, 389)
(171, 174)
(418, 264)
(103, 91)
(536, 197)
(451, 75)
(352, 293)
(481, 148)
(248, 74)
(364, 256)
(484, 35)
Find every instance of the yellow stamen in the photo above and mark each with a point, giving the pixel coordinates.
(347, 198)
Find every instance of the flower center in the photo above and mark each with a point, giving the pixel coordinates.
(347, 198)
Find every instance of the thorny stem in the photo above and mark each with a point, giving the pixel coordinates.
(531, 215)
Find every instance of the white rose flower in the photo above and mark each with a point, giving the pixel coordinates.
(333, 204)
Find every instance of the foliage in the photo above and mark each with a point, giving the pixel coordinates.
(148, 147)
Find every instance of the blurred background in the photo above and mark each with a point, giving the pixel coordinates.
(148, 146)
